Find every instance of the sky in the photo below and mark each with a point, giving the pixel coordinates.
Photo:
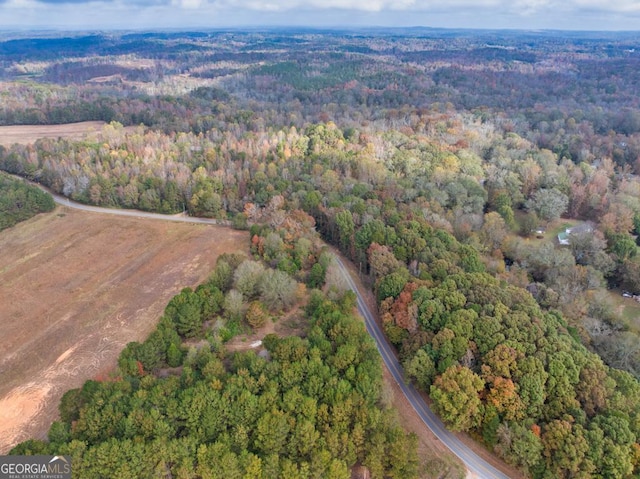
(192, 14)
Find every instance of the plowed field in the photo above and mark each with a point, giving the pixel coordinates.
(26, 134)
(75, 288)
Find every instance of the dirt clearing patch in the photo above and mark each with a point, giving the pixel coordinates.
(27, 134)
(75, 288)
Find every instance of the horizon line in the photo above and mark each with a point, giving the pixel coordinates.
(299, 27)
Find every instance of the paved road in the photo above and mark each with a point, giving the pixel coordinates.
(61, 200)
(476, 465)
(472, 461)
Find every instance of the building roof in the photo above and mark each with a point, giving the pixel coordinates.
(563, 238)
(581, 228)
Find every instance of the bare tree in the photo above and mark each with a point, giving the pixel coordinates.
(277, 290)
(247, 277)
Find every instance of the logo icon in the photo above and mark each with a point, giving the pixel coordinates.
(35, 467)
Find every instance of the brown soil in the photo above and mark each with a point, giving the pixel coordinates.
(491, 458)
(26, 134)
(75, 288)
(436, 461)
(291, 323)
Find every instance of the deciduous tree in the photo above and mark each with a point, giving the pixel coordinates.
(456, 398)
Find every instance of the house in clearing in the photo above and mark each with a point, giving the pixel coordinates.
(564, 238)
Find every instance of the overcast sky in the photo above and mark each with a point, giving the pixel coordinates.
(146, 14)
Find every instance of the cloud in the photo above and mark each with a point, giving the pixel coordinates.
(618, 6)
(62, 3)
(189, 4)
(21, 3)
(576, 14)
(356, 5)
(529, 7)
(59, 2)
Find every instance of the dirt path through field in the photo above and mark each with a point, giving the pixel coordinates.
(75, 288)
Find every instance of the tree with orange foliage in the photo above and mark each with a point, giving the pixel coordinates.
(404, 311)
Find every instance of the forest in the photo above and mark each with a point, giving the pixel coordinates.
(181, 407)
(20, 201)
(445, 165)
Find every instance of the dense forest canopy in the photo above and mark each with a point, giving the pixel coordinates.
(20, 201)
(181, 407)
(446, 165)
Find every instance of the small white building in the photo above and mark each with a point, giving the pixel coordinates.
(564, 238)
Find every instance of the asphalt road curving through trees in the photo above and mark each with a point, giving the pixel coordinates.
(474, 463)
